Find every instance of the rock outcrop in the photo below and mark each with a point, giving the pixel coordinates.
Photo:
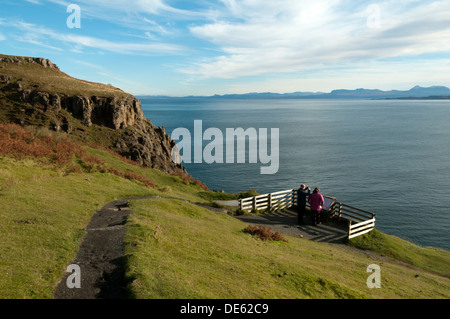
(134, 136)
(112, 112)
(46, 63)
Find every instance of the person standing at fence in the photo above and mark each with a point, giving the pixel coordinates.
(316, 202)
(302, 194)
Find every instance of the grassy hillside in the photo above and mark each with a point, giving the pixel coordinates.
(53, 80)
(34, 76)
(50, 186)
(181, 251)
(428, 258)
(33, 92)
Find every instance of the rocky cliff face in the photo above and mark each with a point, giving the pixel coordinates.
(112, 112)
(21, 60)
(132, 135)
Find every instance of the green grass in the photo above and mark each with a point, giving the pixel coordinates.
(42, 219)
(44, 211)
(431, 259)
(218, 196)
(53, 80)
(167, 185)
(227, 196)
(178, 250)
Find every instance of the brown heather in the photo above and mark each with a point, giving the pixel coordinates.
(20, 143)
(188, 179)
(264, 233)
(55, 149)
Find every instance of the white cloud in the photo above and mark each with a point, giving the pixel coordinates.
(41, 36)
(260, 37)
(372, 75)
(37, 42)
(131, 13)
(124, 48)
(282, 45)
(150, 6)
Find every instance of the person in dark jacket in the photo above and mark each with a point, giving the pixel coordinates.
(302, 194)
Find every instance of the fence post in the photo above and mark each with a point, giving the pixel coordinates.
(241, 204)
(254, 202)
(349, 228)
(270, 200)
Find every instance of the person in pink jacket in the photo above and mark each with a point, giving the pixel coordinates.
(316, 202)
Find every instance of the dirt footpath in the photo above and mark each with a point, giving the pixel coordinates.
(101, 256)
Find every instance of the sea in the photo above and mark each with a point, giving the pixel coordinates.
(390, 157)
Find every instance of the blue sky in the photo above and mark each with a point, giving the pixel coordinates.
(178, 48)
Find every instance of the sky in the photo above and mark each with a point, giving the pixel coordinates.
(179, 48)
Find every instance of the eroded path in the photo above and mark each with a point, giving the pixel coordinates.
(101, 256)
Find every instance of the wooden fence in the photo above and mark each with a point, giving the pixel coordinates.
(273, 201)
(359, 221)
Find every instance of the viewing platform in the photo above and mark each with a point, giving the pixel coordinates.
(278, 211)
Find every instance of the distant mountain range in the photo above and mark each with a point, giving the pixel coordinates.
(417, 92)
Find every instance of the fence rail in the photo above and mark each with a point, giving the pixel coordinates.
(359, 221)
(360, 228)
(272, 201)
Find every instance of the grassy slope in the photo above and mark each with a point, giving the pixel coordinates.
(429, 258)
(53, 80)
(45, 206)
(182, 251)
(42, 220)
(179, 250)
(34, 76)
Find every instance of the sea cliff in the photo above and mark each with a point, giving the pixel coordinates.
(34, 91)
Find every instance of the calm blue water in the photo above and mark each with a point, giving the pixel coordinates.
(390, 157)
